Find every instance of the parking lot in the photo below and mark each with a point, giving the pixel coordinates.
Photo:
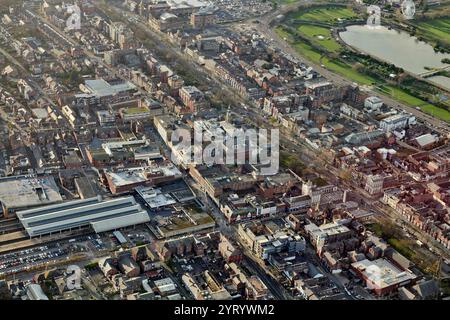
(24, 260)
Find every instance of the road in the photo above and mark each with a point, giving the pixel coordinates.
(438, 249)
(272, 284)
(263, 27)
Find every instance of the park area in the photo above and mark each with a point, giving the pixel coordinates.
(320, 36)
(310, 32)
(329, 15)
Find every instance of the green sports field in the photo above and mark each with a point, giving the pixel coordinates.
(330, 15)
(320, 36)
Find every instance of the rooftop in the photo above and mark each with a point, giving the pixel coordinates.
(100, 215)
(28, 191)
(155, 198)
(141, 174)
(381, 273)
(186, 3)
(102, 88)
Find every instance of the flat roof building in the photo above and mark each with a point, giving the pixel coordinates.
(126, 179)
(397, 121)
(35, 292)
(382, 276)
(102, 88)
(155, 198)
(93, 212)
(23, 192)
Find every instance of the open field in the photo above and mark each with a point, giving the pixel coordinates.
(404, 97)
(330, 15)
(320, 36)
(437, 29)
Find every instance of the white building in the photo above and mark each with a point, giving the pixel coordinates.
(374, 184)
(398, 121)
(373, 103)
(35, 292)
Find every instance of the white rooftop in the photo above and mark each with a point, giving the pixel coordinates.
(426, 139)
(28, 191)
(155, 198)
(381, 273)
(140, 174)
(187, 3)
(102, 88)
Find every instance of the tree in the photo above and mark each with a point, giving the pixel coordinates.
(345, 175)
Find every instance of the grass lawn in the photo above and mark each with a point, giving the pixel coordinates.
(404, 97)
(284, 34)
(285, 1)
(328, 15)
(436, 112)
(314, 32)
(307, 51)
(347, 71)
(336, 66)
(403, 247)
(438, 29)
(406, 247)
(333, 65)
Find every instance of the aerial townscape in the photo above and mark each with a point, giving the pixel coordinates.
(225, 150)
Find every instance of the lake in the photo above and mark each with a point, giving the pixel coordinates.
(396, 47)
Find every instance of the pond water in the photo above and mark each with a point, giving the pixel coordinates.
(396, 47)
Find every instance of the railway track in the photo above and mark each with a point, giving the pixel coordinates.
(9, 226)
